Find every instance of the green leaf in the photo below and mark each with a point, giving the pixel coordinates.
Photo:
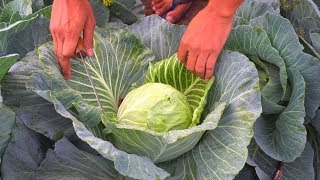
(7, 121)
(255, 42)
(283, 137)
(315, 39)
(46, 12)
(23, 36)
(251, 9)
(24, 153)
(38, 33)
(66, 161)
(37, 113)
(121, 12)
(6, 62)
(284, 39)
(304, 29)
(116, 66)
(305, 8)
(162, 37)
(300, 168)
(248, 173)
(281, 43)
(183, 167)
(101, 13)
(22, 7)
(222, 152)
(3, 4)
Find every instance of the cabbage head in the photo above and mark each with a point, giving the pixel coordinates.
(156, 106)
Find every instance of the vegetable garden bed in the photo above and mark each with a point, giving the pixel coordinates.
(258, 117)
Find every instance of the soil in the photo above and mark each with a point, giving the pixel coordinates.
(196, 6)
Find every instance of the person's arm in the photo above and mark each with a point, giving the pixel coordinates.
(206, 35)
(69, 18)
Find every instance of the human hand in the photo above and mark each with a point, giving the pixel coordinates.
(203, 41)
(69, 18)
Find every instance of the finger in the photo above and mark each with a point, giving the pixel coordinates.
(200, 67)
(191, 62)
(70, 43)
(55, 44)
(88, 35)
(183, 53)
(65, 65)
(63, 61)
(160, 4)
(157, 1)
(211, 63)
(161, 10)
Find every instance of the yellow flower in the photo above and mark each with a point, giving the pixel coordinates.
(107, 2)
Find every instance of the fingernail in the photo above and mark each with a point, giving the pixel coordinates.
(67, 76)
(157, 12)
(154, 8)
(170, 19)
(90, 52)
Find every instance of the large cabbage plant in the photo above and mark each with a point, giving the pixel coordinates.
(122, 61)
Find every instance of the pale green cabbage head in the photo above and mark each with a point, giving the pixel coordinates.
(156, 106)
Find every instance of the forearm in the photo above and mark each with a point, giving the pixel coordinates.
(224, 8)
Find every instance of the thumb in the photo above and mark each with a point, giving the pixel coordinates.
(88, 35)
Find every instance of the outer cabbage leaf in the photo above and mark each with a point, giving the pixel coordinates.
(121, 10)
(101, 13)
(16, 10)
(315, 39)
(7, 121)
(66, 161)
(255, 42)
(251, 9)
(161, 37)
(248, 173)
(7, 116)
(3, 4)
(308, 30)
(5, 63)
(13, 38)
(283, 42)
(222, 152)
(24, 153)
(272, 132)
(300, 168)
(296, 11)
(301, 15)
(314, 139)
(36, 113)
